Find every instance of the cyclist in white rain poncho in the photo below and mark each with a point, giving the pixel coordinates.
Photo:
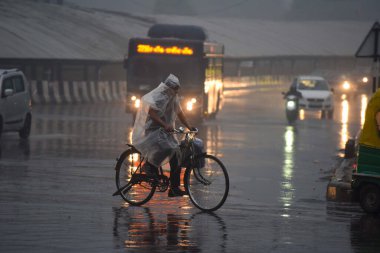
(151, 135)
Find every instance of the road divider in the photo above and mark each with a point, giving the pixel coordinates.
(54, 92)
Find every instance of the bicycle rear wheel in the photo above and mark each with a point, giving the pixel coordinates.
(208, 184)
(134, 187)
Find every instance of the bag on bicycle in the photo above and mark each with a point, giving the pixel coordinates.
(199, 149)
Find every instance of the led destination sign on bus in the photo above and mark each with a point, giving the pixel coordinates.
(158, 49)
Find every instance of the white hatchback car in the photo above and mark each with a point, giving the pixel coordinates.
(316, 94)
(15, 103)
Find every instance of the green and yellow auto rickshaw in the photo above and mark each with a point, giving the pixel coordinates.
(366, 180)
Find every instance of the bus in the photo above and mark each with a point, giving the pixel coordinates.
(185, 52)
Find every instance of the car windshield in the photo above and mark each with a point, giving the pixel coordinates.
(312, 84)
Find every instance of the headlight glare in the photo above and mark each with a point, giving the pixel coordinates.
(346, 85)
(137, 103)
(291, 105)
(190, 104)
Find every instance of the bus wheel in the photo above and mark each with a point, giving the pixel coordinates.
(370, 198)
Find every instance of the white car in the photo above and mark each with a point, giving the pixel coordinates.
(15, 103)
(316, 94)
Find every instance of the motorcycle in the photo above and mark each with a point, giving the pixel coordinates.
(291, 107)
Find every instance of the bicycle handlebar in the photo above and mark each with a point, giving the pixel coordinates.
(181, 130)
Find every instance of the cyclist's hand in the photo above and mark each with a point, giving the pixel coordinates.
(169, 128)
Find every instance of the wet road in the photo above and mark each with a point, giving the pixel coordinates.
(55, 189)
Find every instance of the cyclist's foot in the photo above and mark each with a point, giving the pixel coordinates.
(176, 192)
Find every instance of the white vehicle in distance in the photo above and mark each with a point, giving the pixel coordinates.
(15, 103)
(317, 95)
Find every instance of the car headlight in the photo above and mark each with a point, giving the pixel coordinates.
(346, 85)
(135, 101)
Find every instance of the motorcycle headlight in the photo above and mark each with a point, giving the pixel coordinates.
(291, 105)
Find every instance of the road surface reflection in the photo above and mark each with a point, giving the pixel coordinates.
(344, 121)
(348, 115)
(15, 148)
(365, 234)
(287, 169)
(363, 107)
(141, 229)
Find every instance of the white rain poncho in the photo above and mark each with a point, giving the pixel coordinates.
(149, 137)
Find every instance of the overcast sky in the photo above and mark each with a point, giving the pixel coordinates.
(258, 9)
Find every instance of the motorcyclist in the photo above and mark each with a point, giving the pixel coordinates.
(152, 135)
(293, 91)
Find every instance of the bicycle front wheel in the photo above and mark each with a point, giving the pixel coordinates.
(133, 186)
(207, 183)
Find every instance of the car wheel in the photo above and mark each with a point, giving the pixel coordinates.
(370, 198)
(25, 130)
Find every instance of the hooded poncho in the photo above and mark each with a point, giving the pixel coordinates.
(149, 137)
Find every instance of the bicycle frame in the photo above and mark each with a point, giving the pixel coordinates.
(187, 160)
(202, 170)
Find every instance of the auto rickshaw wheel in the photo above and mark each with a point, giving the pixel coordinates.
(370, 198)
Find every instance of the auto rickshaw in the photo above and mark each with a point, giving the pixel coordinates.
(365, 183)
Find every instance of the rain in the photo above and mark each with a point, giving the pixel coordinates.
(290, 161)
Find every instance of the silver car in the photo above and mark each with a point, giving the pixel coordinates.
(15, 103)
(317, 95)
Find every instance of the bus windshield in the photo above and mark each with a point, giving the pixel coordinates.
(148, 71)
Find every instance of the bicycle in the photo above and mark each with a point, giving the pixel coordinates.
(206, 179)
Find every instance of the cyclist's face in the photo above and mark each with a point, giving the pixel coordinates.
(174, 91)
